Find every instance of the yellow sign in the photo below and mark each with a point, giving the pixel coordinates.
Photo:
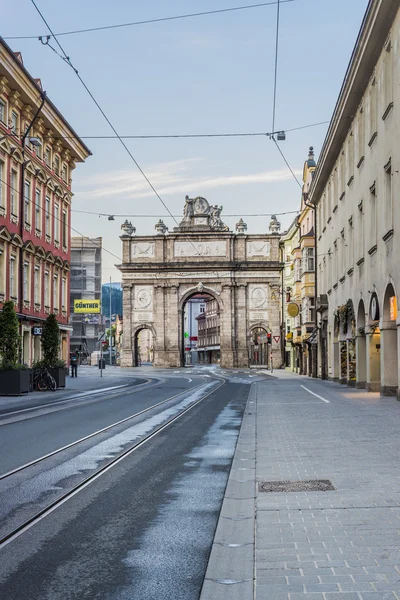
(393, 308)
(87, 306)
(293, 309)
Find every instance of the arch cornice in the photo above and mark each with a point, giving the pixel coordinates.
(199, 289)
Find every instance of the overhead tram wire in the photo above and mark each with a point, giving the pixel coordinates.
(42, 208)
(272, 136)
(68, 61)
(176, 135)
(149, 21)
(124, 216)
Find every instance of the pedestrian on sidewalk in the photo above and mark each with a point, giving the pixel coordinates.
(74, 364)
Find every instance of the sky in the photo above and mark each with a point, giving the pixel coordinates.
(208, 74)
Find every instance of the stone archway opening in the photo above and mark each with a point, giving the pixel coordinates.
(143, 346)
(336, 349)
(361, 347)
(259, 346)
(201, 329)
(389, 344)
(374, 346)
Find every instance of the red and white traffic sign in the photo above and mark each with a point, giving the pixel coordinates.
(277, 338)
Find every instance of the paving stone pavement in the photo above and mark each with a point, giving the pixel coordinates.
(335, 545)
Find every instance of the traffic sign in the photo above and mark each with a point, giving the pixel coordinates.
(277, 338)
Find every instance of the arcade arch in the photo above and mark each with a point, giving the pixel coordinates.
(361, 346)
(143, 345)
(374, 346)
(200, 320)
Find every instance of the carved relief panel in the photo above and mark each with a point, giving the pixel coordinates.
(206, 248)
(142, 250)
(256, 248)
(257, 302)
(143, 308)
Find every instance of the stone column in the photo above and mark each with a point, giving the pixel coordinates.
(242, 352)
(335, 361)
(389, 359)
(227, 328)
(361, 361)
(373, 361)
(172, 327)
(159, 324)
(126, 351)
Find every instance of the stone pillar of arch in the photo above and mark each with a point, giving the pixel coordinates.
(361, 347)
(159, 312)
(227, 338)
(373, 360)
(389, 344)
(389, 359)
(126, 352)
(241, 351)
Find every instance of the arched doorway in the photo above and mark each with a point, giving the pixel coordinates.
(351, 344)
(389, 350)
(200, 329)
(336, 350)
(143, 346)
(374, 346)
(259, 346)
(361, 347)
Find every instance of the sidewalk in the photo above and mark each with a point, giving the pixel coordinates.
(342, 544)
(88, 380)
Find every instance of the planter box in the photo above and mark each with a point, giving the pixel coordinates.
(59, 375)
(14, 383)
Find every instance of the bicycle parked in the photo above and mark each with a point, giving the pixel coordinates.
(42, 380)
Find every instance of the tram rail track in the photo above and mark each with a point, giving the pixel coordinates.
(53, 505)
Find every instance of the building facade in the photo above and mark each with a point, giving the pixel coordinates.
(306, 265)
(356, 189)
(86, 261)
(161, 273)
(291, 303)
(38, 152)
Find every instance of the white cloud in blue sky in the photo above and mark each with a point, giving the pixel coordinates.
(209, 74)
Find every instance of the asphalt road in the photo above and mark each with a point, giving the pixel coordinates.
(143, 529)
(36, 434)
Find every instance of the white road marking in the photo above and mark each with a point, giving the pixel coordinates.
(176, 371)
(190, 380)
(314, 394)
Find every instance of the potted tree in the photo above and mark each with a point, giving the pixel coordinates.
(50, 348)
(14, 377)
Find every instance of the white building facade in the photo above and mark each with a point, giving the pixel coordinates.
(356, 191)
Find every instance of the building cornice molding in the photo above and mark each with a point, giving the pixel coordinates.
(374, 31)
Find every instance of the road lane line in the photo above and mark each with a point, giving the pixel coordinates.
(314, 394)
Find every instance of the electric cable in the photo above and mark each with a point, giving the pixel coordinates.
(148, 21)
(173, 135)
(68, 61)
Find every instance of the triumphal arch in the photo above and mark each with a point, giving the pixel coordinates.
(161, 272)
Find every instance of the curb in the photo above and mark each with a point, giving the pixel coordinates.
(230, 569)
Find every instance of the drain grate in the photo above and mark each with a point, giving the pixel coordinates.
(312, 485)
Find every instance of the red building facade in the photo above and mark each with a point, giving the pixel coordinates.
(35, 203)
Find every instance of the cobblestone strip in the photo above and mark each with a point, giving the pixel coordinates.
(230, 570)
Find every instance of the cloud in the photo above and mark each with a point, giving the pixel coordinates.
(169, 178)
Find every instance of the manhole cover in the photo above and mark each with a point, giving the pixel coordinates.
(313, 485)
